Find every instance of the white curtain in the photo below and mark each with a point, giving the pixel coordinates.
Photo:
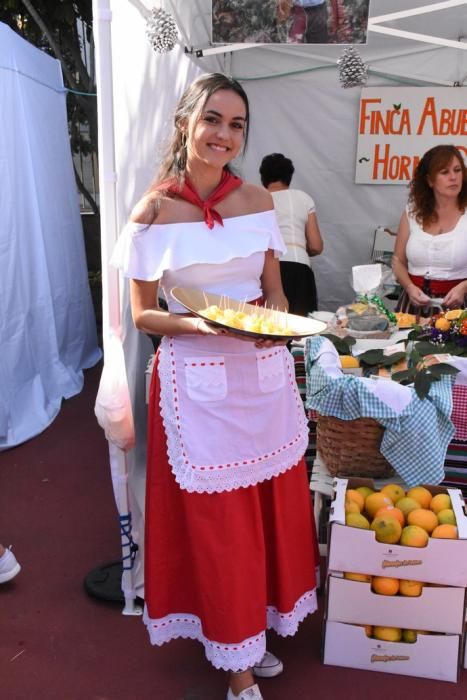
(47, 324)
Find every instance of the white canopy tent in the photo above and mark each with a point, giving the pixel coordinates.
(47, 323)
(298, 108)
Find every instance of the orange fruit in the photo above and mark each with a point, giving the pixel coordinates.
(387, 634)
(442, 324)
(394, 491)
(375, 501)
(405, 320)
(357, 520)
(353, 495)
(410, 588)
(424, 518)
(446, 517)
(384, 585)
(391, 512)
(453, 314)
(445, 532)
(352, 576)
(387, 529)
(407, 504)
(351, 507)
(409, 636)
(364, 490)
(440, 502)
(421, 495)
(414, 536)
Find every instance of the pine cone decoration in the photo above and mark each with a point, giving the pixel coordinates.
(161, 30)
(352, 69)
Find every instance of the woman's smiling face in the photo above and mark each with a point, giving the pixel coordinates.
(216, 136)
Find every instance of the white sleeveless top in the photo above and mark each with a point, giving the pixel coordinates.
(292, 209)
(226, 259)
(232, 413)
(441, 257)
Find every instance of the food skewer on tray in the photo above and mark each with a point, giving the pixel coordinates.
(245, 318)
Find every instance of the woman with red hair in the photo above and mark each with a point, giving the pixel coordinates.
(430, 255)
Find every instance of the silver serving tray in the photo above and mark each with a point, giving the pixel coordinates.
(196, 300)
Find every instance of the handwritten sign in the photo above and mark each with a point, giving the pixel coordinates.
(397, 125)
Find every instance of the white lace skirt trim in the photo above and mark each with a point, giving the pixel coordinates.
(230, 657)
(286, 624)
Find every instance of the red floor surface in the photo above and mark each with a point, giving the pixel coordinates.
(57, 643)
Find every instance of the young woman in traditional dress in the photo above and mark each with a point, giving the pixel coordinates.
(230, 546)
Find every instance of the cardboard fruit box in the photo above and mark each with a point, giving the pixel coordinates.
(437, 609)
(352, 549)
(431, 656)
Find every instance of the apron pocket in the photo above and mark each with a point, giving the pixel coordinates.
(206, 379)
(271, 374)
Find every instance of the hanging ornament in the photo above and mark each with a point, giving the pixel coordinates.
(161, 30)
(352, 69)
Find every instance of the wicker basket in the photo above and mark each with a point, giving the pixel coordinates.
(351, 447)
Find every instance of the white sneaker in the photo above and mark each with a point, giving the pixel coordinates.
(251, 693)
(269, 666)
(9, 567)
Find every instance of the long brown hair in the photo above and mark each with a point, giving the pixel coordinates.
(422, 201)
(192, 103)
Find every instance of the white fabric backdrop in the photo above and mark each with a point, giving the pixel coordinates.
(47, 324)
(307, 116)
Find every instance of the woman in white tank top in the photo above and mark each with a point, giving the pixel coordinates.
(296, 216)
(430, 256)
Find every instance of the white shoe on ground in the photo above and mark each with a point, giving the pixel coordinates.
(9, 567)
(251, 693)
(269, 666)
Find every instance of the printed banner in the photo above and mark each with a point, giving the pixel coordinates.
(397, 125)
(289, 21)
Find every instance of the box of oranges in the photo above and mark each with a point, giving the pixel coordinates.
(411, 607)
(419, 534)
(433, 656)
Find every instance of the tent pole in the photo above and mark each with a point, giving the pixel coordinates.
(111, 313)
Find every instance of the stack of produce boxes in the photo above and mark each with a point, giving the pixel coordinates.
(397, 573)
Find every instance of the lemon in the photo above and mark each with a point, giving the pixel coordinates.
(347, 361)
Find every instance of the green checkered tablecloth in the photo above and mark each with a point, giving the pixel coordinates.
(415, 440)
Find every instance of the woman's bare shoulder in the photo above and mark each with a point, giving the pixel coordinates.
(158, 208)
(146, 210)
(257, 199)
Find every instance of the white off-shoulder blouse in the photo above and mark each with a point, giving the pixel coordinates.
(226, 259)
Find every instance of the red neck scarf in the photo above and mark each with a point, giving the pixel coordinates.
(228, 183)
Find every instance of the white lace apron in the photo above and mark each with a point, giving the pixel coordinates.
(232, 413)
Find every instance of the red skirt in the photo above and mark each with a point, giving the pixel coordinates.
(224, 567)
